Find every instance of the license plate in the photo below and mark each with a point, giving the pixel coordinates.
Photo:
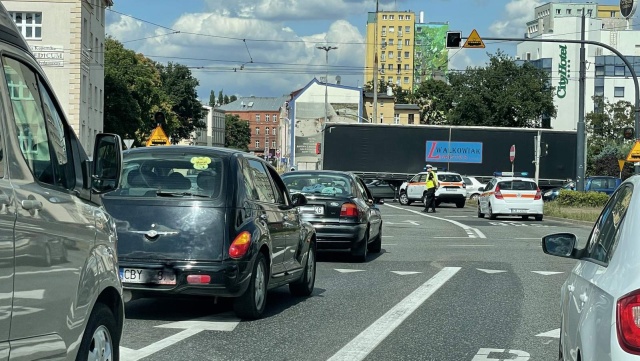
(137, 275)
(313, 209)
(518, 211)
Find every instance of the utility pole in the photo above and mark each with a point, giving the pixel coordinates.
(536, 145)
(375, 68)
(581, 146)
(326, 77)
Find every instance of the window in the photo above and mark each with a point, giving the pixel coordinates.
(273, 130)
(257, 131)
(391, 29)
(400, 17)
(384, 32)
(391, 17)
(391, 44)
(408, 17)
(390, 67)
(396, 118)
(613, 14)
(258, 118)
(411, 118)
(383, 57)
(29, 24)
(267, 118)
(407, 42)
(390, 55)
(406, 66)
(528, 56)
(82, 87)
(273, 144)
(257, 144)
(599, 91)
(407, 29)
(384, 17)
(618, 92)
(568, 11)
(418, 30)
(406, 55)
(619, 70)
(599, 70)
(406, 80)
(42, 133)
(261, 181)
(100, 101)
(90, 95)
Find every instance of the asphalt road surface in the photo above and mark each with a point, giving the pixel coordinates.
(446, 286)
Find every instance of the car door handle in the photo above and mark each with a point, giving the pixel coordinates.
(584, 298)
(31, 204)
(571, 288)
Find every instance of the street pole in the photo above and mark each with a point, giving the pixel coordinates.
(536, 146)
(580, 161)
(375, 69)
(326, 78)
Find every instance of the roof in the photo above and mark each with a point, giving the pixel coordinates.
(406, 107)
(318, 171)
(255, 104)
(184, 148)
(380, 95)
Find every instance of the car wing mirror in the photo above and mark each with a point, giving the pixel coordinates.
(560, 245)
(298, 200)
(106, 165)
(369, 202)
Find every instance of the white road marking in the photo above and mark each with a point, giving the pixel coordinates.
(463, 226)
(490, 271)
(469, 245)
(404, 273)
(449, 237)
(457, 216)
(529, 238)
(553, 333)
(341, 270)
(389, 244)
(547, 273)
(135, 355)
(403, 223)
(370, 338)
(387, 236)
(215, 323)
(483, 355)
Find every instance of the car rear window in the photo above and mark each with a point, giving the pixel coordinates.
(318, 183)
(152, 174)
(449, 178)
(518, 185)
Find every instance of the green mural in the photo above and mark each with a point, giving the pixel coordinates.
(431, 56)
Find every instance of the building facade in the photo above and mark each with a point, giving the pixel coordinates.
(214, 133)
(67, 38)
(431, 58)
(392, 35)
(606, 74)
(263, 115)
(389, 112)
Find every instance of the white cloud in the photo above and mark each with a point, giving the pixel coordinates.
(460, 59)
(517, 13)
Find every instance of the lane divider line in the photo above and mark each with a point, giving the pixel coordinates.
(461, 225)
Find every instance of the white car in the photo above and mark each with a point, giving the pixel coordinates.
(511, 196)
(452, 189)
(600, 300)
(473, 186)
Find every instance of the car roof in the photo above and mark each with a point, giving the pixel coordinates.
(515, 179)
(223, 152)
(319, 171)
(442, 172)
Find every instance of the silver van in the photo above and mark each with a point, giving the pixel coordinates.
(60, 294)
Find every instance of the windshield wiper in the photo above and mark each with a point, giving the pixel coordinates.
(180, 194)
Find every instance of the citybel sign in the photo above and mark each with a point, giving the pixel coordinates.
(628, 8)
(564, 71)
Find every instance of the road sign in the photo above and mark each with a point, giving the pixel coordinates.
(621, 163)
(158, 137)
(512, 153)
(634, 154)
(628, 8)
(128, 143)
(474, 41)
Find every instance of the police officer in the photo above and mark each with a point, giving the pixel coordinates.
(431, 186)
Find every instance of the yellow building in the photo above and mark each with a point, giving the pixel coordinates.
(609, 11)
(394, 45)
(389, 112)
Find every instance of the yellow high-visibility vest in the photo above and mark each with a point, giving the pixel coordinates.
(432, 183)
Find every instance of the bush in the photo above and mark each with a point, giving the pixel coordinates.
(582, 199)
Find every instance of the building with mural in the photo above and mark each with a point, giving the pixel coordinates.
(431, 57)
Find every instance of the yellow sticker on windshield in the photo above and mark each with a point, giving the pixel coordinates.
(201, 162)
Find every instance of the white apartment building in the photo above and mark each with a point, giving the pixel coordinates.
(67, 37)
(214, 133)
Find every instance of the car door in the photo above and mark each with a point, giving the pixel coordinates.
(373, 213)
(7, 220)
(485, 196)
(55, 230)
(269, 215)
(416, 186)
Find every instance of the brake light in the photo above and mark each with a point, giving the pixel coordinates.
(198, 279)
(240, 245)
(349, 210)
(628, 320)
(538, 195)
(498, 194)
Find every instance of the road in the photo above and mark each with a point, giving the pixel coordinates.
(446, 286)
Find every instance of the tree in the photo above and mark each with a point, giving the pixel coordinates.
(220, 98)
(212, 99)
(237, 133)
(501, 94)
(400, 96)
(382, 86)
(608, 121)
(226, 99)
(435, 101)
(605, 162)
(233, 98)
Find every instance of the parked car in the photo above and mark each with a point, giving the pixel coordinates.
(341, 209)
(553, 193)
(472, 185)
(233, 230)
(381, 190)
(452, 189)
(600, 300)
(511, 196)
(603, 184)
(61, 296)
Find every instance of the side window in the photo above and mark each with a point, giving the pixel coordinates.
(468, 182)
(249, 188)
(603, 238)
(362, 189)
(279, 189)
(423, 178)
(41, 131)
(261, 182)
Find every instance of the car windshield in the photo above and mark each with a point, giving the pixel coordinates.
(518, 185)
(318, 183)
(449, 178)
(185, 174)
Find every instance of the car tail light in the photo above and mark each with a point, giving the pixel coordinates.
(498, 194)
(349, 210)
(198, 279)
(628, 320)
(240, 245)
(538, 195)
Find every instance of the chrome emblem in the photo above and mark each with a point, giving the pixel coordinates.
(152, 233)
(334, 204)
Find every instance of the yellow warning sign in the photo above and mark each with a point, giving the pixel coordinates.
(474, 41)
(621, 163)
(634, 154)
(158, 137)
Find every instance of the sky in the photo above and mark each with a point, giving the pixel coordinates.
(268, 47)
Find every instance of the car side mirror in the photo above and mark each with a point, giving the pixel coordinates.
(370, 202)
(298, 199)
(559, 244)
(107, 163)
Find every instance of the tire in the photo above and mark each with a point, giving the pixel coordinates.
(480, 214)
(539, 217)
(100, 340)
(47, 260)
(251, 304)
(304, 286)
(65, 255)
(474, 196)
(525, 218)
(491, 215)
(438, 203)
(460, 204)
(360, 253)
(376, 245)
(404, 199)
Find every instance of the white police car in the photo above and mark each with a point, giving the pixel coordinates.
(509, 194)
(452, 189)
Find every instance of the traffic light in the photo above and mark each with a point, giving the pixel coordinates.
(454, 39)
(544, 149)
(318, 148)
(628, 133)
(159, 118)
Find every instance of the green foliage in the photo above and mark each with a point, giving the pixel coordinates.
(435, 101)
(212, 99)
(220, 98)
(588, 214)
(237, 133)
(607, 124)
(232, 98)
(602, 159)
(581, 199)
(401, 96)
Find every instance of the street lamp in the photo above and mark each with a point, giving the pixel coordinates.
(326, 78)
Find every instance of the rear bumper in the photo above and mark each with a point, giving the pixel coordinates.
(451, 197)
(512, 209)
(338, 235)
(228, 278)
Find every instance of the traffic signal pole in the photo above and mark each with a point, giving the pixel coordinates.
(603, 45)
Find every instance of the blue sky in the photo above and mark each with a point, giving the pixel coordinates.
(279, 36)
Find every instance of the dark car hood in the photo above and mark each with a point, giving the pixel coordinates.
(168, 229)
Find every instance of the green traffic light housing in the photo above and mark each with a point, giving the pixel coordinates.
(454, 39)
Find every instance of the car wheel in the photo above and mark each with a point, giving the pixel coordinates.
(65, 255)
(474, 196)
(539, 217)
(100, 338)
(251, 303)
(460, 204)
(304, 286)
(480, 214)
(524, 218)
(438, 204)
(360, 253)
(491, 215)
(404, 199)
(47, 256)
(376, 245)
